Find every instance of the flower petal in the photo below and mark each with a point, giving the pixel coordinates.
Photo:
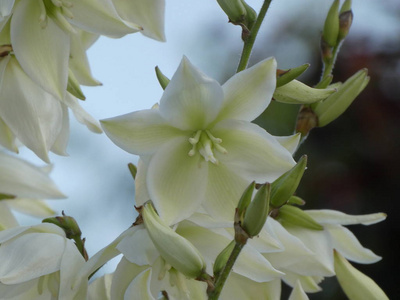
(100, 17)
(308, 283)
(298, 293)
(7, 219)
(248, 93)
(347, 244)
(99, 289)
(33, 115)
(327, 216)
(22, 256)
(60, 144)
(149, 14)
(31, 207)
(176, 181)
(191, 100)
(42, 52)
(141, 132)
(7, 138)
(22, 179)
(252, 152)
(5, 8)
(290, 142)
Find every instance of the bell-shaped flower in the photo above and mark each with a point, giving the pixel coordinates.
(34, 116)
(199, 147)
(22, 185)
(39, 262)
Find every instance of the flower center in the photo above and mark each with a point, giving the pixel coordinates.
(204, 142)
(59, 10)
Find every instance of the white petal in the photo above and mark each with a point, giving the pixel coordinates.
(355, 284)
(308, 283)
(252, 152)
(30, 256)
(22, 179)
(191, 100)
(149, 14)
(290, 142)
(176, 181)
(7, 138)
(100, 17)
(99, 289)
(32, 207)
(7, 219)
(327, 216)
(140, 132)
(139, 289)
(42, 52)
(240, 287)
(224, 189)
(298, 293)
(347, 244)
(60, 144)
(248, 93)
(141, 191)
(5, 8)
(81, 115)
(33, 115)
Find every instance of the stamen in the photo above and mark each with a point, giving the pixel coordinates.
(205, 143)
(63, 22)
(194, 140)
(220, 149)
(214, 139)
(67, 13)
(43, 15)
(67, 4)
(57, 3)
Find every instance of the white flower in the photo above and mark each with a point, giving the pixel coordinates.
(199, 147)
(22, 185)
(39, 262)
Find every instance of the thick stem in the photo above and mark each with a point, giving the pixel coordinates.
(249, 42)
(220, 282)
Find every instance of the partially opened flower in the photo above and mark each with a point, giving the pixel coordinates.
(199, 146)
(22, 186)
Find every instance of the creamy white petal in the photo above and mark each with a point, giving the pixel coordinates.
(81, 115)
(7, 219)
(149, 14)
(290, 142)
(7, 138)
(5, 8)
(100, 288)
(248, 93)
(42, 52)
(141, 132)
(327, 216)
(23, 179)
(33, 115)
(60, 144)
(298, 293)
(252, 152)
(141, 191)
(26, 258)
(225, 186)
(100, 17)
(348, 245)
(177, 182)
(139, 288)
(191, 100)
(33, 207)
(308, 283)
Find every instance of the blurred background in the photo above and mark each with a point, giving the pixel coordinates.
(353, 162)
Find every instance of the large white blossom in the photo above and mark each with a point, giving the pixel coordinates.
(199, 147)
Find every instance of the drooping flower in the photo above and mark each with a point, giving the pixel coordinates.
(39, 262)
(22, 186)
(199, 148)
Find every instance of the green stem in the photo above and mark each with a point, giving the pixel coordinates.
(220, 282)
(249, 42)
(329, 66)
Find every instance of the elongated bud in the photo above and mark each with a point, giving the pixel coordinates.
(296, 216)
(74, 87)
(296, 200)
(244, 202)
(257, 212)
(175, 249)
(234, 9)
(285, 76)
(331, 26)
(67, 223)
(162, 79)
(285, 186)
(222, 258)
(355, 284)
(345, 21)
(337, 103)
(296, 92)
(250, 16)
(133, 170)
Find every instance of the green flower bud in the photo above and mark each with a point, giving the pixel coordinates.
(355, 284)
(175, 249)
(74, 87)
(296, 92)
(257, 212)
(250, 16)
(222, 258)
(296, 200)
(133, 170)
(285, 186)
(288, 75)
(295, 216)
(162, 79)
(244, 202)
(331, 26)
(345, 21)
(67, 223)
(332, 107)
(234, 9)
